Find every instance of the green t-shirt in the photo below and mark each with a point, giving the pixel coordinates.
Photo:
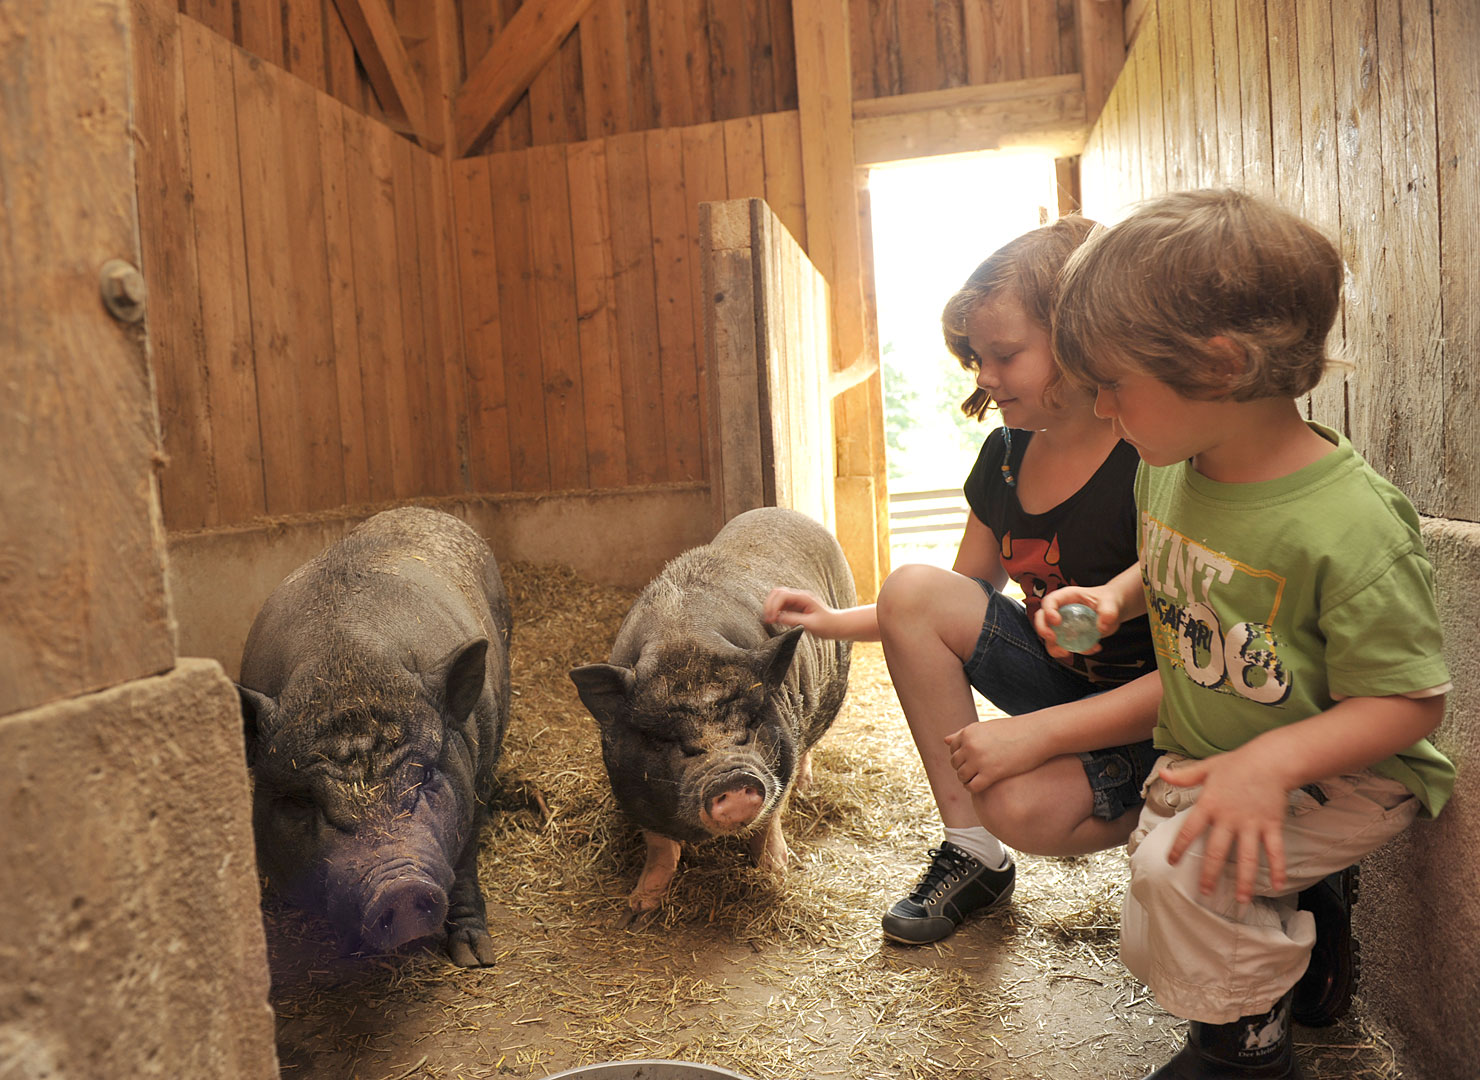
(1270, 601)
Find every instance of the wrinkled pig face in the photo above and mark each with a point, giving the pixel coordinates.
(696, 743)
(360, 806)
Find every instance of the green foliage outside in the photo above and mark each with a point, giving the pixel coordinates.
(930, 442)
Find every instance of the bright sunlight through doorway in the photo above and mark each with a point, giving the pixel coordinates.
(934, 221)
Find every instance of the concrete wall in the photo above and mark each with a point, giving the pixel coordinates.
(1418, 919)
(130, 932)
(219, 578)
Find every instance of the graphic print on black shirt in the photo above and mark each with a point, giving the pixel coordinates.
(1086, 540)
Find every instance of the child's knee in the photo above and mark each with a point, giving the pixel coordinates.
(1153, 875)
(905, 594)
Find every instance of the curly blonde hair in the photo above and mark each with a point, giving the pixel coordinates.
(1150, 294)
(1026, 267)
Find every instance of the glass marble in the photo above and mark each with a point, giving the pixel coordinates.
(1078, 632)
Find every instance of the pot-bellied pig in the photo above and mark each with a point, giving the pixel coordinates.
(707, 717)
(375, 689)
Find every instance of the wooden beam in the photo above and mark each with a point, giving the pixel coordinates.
(830, 184)
(378, 43)
(1048, 112)
(530, 39)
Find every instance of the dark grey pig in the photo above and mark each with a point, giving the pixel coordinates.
(375, 687)
(708, 718)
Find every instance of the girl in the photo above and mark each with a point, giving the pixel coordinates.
(1051, 504)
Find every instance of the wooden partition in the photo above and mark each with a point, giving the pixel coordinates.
(768, 351)
(304, 321)
(1360, 114)
(580, 295)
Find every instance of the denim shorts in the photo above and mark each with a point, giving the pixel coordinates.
(1011, 669)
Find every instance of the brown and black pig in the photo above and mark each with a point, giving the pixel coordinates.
(375, 692)
(707, 716)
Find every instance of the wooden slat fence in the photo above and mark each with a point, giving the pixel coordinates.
(1361, 115)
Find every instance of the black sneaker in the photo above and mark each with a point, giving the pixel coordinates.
(955, 885)
(1324, 992)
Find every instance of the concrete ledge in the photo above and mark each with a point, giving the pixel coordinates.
(130, 928)
(1419, 914)
(219, 578)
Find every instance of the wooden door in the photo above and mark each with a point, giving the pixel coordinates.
(768, 353)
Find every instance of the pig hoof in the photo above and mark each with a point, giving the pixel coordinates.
(634, 918)
(470, 947)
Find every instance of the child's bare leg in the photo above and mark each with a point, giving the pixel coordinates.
(929, 623)
(1050, 811)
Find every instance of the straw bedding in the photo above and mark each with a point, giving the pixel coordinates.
(772, 978)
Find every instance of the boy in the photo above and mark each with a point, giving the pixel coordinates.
(1292, 611)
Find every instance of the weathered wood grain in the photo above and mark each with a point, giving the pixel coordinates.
(221, 262)
(529, 451)
(477, 261)
(84, 603)
(673, 249)
(556, 356)
(169, 264)
(1457, 101)
(637, 330)
(596, 315)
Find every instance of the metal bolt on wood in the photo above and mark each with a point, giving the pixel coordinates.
(123, 290)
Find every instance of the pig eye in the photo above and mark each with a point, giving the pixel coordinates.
(297, 804)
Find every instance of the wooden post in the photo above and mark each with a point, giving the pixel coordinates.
(825, 103)
(84, 604)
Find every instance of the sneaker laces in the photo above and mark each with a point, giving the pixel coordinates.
(942, 865)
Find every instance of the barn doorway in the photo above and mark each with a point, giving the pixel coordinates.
(934, 221)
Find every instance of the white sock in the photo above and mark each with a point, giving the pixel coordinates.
(982, 844)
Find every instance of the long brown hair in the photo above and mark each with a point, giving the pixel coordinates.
(1028, 267)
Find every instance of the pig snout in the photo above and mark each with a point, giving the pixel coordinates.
(402, 908)
(733, 801)
(378, 903)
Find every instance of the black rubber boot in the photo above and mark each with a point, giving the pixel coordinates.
(1251, 1048)
(1324, 993)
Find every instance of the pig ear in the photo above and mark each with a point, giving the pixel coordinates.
(604, 690)
(256, 710)
(461, 676)
(773, 659)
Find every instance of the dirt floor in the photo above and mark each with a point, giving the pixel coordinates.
(770, 978)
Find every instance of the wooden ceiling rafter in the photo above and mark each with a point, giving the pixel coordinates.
(1047, 112)
(511, 63)
(378, 44)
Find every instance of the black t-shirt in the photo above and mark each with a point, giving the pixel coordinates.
(1086, 540)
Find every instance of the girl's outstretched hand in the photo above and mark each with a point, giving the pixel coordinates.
(797, 607)
(1102, 598)
(1241, 810)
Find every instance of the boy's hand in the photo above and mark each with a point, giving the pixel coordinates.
(1242, 808)
(991, 750)
(1101, 598)
(797, 607)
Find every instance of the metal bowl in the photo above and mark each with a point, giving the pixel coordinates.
(648, 1070)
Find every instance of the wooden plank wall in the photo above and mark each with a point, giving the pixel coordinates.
(581, 292)
(1361, 115)
(306, 37)
(635, 65)
(304, 317)
(901, 47)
